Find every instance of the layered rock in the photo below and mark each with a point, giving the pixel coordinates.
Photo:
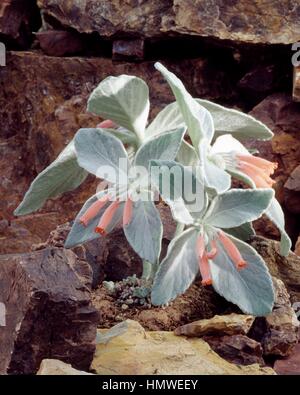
(48, 311)
(245, 21)
(296, 84)
(278, 331)
(128, 349)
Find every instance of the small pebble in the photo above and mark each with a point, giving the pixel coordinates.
(124, 306)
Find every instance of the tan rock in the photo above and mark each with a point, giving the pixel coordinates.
(247, 21)
(296, 84)
(54, 367)
(128, 349)
(231, 324)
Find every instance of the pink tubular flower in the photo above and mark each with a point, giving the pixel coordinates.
(213, 252)
(107, 124)
(232, 251)
(94, 209)
(258, 169)
(203, 261)
(127, 214)
(107, 217)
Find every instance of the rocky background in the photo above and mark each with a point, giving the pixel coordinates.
(236, 53)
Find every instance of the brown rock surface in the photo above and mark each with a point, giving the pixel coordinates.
(60, 43)
(18, 19)
(238, 349)
(286, 269)
(255, 22)
(231, 324)
(277, 332)
(296, 84)
(292, 191)
(128, 349)
(48, 311)
(290, 365)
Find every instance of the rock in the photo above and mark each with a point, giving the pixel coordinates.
(60, 43)
(262, 79)
(48, 311)
(297, 246)
(286, 269)
(234, 20)
(296, 84)
(47, 107)
(231, 324)
(290, 365)
(54, 367)
(277, 332)
(17, 20)
(131, 50)
(237, 349)
(292, 191)
(128, 349)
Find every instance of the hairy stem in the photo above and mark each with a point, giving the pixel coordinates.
(149, 270)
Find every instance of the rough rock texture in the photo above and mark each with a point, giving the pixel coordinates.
(59, 43)
(255, 22)
(54, 367)
(48, 311)
(286, 269)
(128, 349)
(17, 20)
(290, 365)
(292, 191)
(47, 106)
(231, 324)
(296, 84)
(282, 115)
(277, 332)
(238, 349)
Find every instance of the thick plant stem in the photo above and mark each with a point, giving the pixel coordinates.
(179, 229)
(149, 270)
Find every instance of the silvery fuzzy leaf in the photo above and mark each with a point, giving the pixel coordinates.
(180, 188)
(144, 232)
(237, 206)
(168, 119)
(243, 232)
(80, 234)
(251, 288)
(62, 175)
(187, 155)
(163, 147)
(124, 135)
(198, 120)
(102, 154)
(178, 269)
(275, 214)
(124, 100)
(242, 126)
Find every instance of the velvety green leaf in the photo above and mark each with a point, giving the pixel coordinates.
(144, 232)
(164, 147)
(242, 126)
(180, 189)
(63, 175)
(124, 100)
(275, 214)
(187, 155)
(99, 152)
(243, 232)
(80, 234)
(168, 119)
(251, 288)
(237, 206)
(198, 120)
(178, 269)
